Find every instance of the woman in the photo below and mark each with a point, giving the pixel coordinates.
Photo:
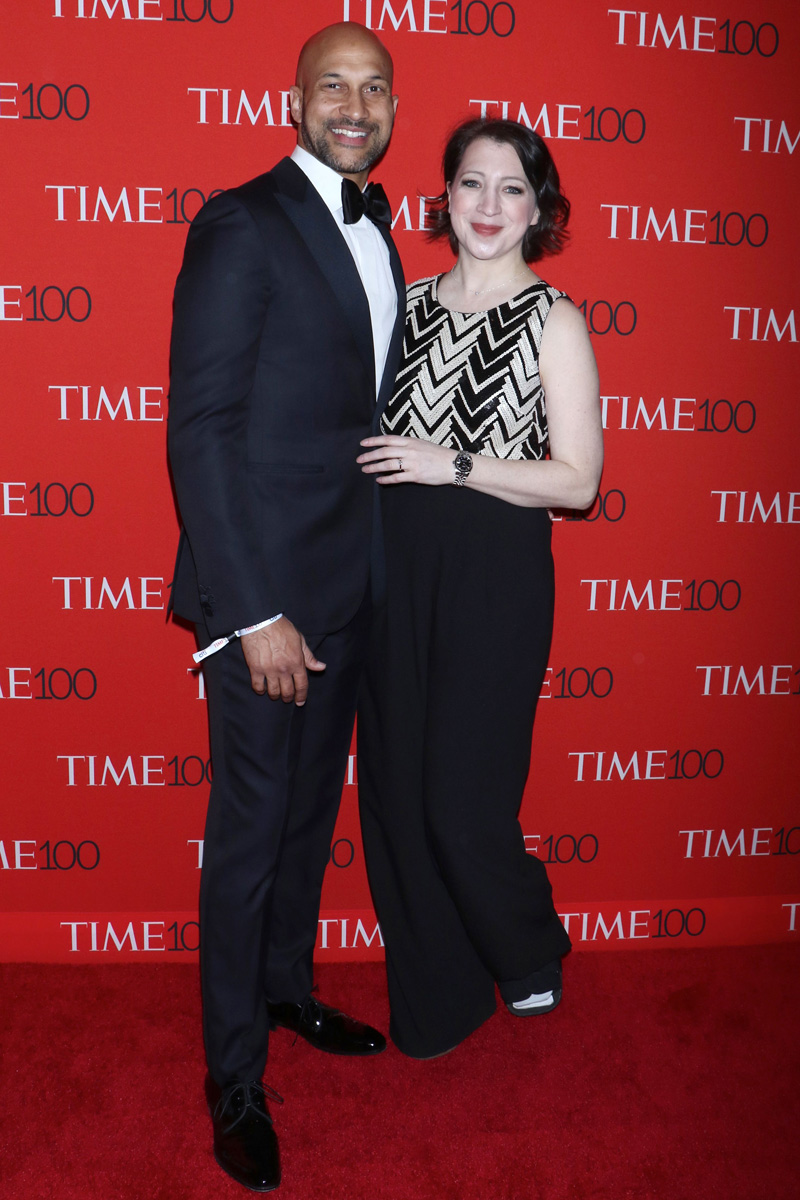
(497, 374)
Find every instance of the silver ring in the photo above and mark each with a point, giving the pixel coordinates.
(400, 466)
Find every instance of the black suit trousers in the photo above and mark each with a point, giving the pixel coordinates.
(278, 772)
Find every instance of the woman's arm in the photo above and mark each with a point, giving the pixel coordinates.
(571, 475)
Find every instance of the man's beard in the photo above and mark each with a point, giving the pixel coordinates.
(326, 154)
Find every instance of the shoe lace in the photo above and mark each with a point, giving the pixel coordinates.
(310, 1005)
(267, 1092)
(250, 1089)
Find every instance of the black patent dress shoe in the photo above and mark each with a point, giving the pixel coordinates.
(326, 1027)
(245, 1144)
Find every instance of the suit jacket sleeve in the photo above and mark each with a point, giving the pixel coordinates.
(221, 299)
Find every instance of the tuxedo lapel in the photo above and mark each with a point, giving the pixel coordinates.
(313, 221)
(396, 343)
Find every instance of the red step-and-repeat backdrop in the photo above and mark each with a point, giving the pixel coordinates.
(664, 785)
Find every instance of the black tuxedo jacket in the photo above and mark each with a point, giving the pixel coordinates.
(272, 386)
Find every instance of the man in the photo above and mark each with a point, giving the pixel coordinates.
(286, 337)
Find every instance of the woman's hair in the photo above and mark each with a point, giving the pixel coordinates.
(550, 233)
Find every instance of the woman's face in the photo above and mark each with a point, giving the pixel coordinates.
(492, 203)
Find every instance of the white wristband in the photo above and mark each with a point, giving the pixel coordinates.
(223, 641)
(260, 625)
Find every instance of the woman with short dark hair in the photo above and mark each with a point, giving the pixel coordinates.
(495, 418)
(549, 234)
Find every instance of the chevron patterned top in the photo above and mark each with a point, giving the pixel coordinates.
(470, 381)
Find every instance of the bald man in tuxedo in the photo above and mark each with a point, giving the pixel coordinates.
(287, 332)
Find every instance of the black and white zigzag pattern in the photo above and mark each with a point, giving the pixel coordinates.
(470, 381)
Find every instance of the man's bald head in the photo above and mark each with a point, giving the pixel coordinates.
(342, 100)
(346, 36)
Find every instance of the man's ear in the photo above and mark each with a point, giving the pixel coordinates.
(296, 103)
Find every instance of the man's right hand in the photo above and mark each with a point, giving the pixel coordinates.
(278, 659)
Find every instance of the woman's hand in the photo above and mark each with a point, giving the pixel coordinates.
(407, 460)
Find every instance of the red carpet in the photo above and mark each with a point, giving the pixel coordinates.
(671, 1075)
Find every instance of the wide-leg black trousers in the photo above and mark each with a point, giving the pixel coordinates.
(278, 773)
(457, 660)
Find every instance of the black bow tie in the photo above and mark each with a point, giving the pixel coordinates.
(372, 202)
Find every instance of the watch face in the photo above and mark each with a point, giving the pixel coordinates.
(463, 462)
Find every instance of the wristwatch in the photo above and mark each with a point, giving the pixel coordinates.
(462, 464)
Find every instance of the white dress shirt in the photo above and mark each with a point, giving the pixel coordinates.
(370, 254)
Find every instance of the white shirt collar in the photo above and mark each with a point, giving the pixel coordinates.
(326, 181)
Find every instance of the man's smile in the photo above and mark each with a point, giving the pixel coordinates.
(347, 134)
